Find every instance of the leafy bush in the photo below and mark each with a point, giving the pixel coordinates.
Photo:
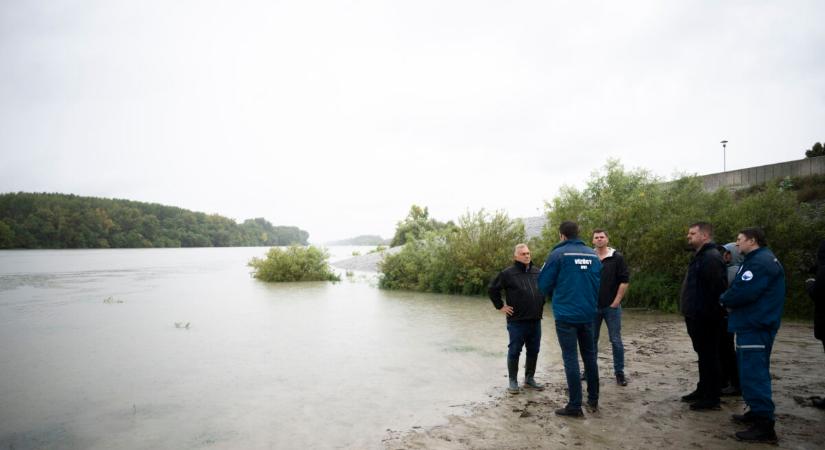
(415, 226)
(455, 260)
(414, 267)
(293, 264)
(647, 220)
(652, 290)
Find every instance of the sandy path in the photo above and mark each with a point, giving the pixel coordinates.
(661, 366)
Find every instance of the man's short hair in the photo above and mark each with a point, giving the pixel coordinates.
(756, 234)
(569, 229)
(601, 230)
(518, 246)
(704, 227)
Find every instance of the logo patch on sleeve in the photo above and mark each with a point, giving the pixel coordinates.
(747, 276)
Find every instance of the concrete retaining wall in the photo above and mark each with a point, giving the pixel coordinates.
(743, 178)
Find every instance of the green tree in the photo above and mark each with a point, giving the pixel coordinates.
(647, 220)
(415, 225)
(6, 235)
(816, 150)
(69, 221)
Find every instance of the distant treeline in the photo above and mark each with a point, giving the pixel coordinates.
(35, 220)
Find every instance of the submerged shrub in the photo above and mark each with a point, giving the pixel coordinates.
(456, 260)
(293, 264)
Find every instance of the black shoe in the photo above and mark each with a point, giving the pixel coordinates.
(692, 397)
(730, 391)
(744, 419)
(705, 405)
(569, 412)
(761, 431)
(621, 380)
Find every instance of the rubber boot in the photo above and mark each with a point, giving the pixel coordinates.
(529, 372)
(512, 372)
(762, 430)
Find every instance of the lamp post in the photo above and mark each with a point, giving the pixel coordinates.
(724, 162)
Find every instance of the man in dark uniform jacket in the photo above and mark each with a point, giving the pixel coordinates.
(524, 312)
(755, 302)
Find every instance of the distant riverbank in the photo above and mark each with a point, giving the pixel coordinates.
(366, 263)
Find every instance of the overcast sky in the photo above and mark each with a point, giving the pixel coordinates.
(336, 116)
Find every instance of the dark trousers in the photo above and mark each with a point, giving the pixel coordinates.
(523, 333)
(613, 318)
(727, 357)
(572, 335)
(705, 335)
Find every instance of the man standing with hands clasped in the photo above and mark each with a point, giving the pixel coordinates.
(523, 310)
(755, 301)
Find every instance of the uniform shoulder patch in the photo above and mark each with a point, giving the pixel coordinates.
(747, 275)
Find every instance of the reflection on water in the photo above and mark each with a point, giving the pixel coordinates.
(261, 366)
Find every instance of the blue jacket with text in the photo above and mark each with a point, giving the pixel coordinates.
(757, 295)
(571, 276)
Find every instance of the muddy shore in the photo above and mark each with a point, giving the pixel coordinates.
(648, 413)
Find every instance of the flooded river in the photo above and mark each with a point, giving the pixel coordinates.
(96, 353)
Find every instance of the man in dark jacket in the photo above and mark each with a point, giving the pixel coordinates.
(615, 279)
(755, 301)
(571, 276)
(704, 282)
(816, 289)
(523, 311)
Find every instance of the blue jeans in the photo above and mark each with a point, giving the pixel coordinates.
(753, 353)
(571, 334)
(613, 318)
(523, 333)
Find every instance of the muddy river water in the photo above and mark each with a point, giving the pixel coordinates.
(96, 353)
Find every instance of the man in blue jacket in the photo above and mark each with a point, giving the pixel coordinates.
(570, 275)
(755, 301)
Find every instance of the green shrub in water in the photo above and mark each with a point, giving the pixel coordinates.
(293, 264)
(456, 260)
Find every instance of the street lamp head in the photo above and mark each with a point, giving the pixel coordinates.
(724, 157)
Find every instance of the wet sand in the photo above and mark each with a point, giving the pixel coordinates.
(648, 413)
